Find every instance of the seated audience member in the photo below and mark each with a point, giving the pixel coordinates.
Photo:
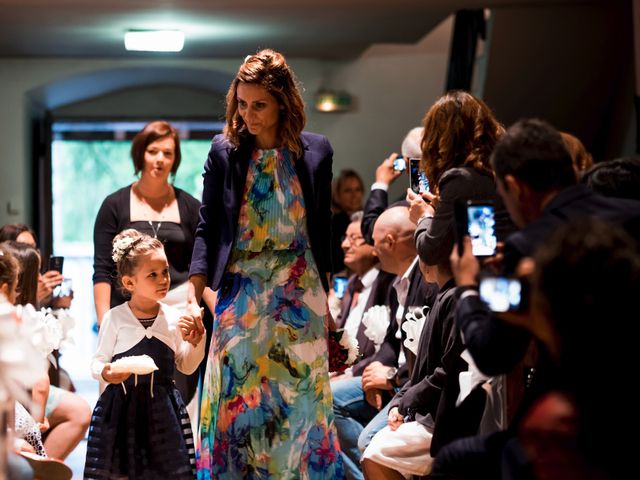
(460, 132)
(386, 174)
(536, 179)
(367, 287)
(46, 281)
(346, 199)
(67, 414)
(402, 448)
(359, 402)
(585, 273)
(615, 178)
(582, 160)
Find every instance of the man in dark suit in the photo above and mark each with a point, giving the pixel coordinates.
(386, 174)
(368, 286)
(535, 178)
(358, 402)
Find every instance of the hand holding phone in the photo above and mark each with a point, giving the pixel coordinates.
(56, 263)
(417, 178)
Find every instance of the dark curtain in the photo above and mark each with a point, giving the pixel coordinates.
(469, 24)
(42, 196)
(637, 104)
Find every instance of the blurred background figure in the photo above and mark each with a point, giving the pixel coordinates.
(582, 159)
(615, 178)
(346, 199)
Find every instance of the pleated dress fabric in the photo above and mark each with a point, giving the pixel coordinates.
(266, 410)
(144, 433)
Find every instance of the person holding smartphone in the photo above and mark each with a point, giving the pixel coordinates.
(387, 172)
(48, 280)
(460, 132)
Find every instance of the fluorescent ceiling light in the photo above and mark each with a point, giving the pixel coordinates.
(154, 40)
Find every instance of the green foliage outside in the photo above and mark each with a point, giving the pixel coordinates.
(85, 172)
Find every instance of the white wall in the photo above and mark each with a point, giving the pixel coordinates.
(392, 86)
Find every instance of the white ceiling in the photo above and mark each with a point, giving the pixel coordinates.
(223, 28)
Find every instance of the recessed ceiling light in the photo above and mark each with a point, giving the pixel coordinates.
(154, 40)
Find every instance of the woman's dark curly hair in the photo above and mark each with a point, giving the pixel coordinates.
(459, 130)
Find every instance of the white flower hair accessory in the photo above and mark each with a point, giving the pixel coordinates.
(122, 246)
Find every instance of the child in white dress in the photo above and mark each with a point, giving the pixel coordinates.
(140, 428)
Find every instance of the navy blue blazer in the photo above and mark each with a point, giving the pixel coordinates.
(225, 174)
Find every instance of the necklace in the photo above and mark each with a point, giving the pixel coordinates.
(155, 229)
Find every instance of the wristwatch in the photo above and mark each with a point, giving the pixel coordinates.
(391, 375)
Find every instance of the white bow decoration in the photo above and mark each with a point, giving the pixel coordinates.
(376, 320)
(415, 319)
(21, 364)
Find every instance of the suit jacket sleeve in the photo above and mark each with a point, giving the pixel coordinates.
(209, 215)
(376, 204)
(325, 176)
(495, 346)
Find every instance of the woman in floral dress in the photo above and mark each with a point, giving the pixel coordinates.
(263, 245)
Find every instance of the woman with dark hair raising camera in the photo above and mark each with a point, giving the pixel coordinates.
(263, 245)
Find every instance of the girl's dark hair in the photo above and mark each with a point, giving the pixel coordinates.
(128, 246)
(153, 132)
(28, 260)
(268, 69)
(11, 231)
(9, 267)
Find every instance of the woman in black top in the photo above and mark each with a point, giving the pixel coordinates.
(153, 206)
(150, 205)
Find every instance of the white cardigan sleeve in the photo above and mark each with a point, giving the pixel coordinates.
(107, 337)
(188, 357)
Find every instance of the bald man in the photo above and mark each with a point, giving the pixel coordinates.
(360, 402)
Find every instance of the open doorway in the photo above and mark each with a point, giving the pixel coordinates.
(90, 160)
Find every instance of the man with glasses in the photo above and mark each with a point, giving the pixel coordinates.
(359, 402)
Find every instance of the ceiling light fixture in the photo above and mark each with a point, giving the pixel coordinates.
(154, 40)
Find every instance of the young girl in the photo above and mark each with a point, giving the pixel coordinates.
(140, 428)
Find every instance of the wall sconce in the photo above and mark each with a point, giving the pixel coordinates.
(331, 101)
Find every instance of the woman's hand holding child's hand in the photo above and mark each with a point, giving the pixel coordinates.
(113, 377)
(192, 328)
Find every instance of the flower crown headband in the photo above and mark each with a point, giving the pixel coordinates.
(123, 246)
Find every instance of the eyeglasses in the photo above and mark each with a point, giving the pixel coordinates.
(354, 240)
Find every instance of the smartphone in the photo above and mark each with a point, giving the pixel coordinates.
(502, 294)
(417, 178)
(56, 263)
(481, 227)
(64, 289)
(339, 285)
(399, 164)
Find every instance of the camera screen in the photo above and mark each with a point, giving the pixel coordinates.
(339, 286)
(417, 178)
(399, 164)
(481, 227)
(501, 294)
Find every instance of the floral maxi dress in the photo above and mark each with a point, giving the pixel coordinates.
(266, 408)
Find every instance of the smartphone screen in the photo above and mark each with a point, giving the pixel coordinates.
(501, 294)
(399, 164)
(339, 286)
(56, 263)
(417, 178)
(64, 289)
(481, 226)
